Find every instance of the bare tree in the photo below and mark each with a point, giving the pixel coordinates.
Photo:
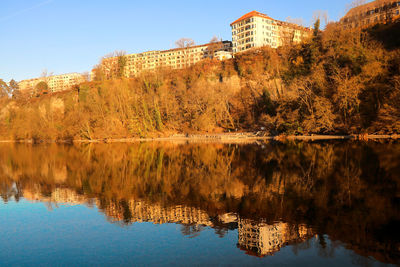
(116, 53)
(45, 75)
(321, 15)
(184, 43)
(215, 39)
(214, 45)
(4, 89)
(86, 76)
(298, 21)
(113, 65)
(355, 3)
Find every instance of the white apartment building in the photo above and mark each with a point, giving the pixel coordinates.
(55, 83)
(174, 58)
(256, 30)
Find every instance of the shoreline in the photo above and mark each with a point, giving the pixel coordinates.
(219, 138)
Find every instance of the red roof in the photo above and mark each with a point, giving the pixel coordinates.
(250, 15)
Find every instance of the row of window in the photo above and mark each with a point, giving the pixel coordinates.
(374, 20)
(163, 59)
(161, 54)
(243, 23)
(268, 33)
(268, 21)
(248, 40)
(244, 29)
(268, 27)
(153, 66)
(238, 25)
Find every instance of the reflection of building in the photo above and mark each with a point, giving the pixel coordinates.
(55, 83)
(263, 239)
(58, 196)
(174, 58)
(256, 30)
(257, 239)
(140, 211)
(379, 11)
(67, 196)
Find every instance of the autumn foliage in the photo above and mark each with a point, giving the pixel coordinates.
(339, 82)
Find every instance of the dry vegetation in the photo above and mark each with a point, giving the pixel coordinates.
(340, 82)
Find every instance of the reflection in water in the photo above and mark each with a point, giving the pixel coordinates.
(275, 195)
(262, 239)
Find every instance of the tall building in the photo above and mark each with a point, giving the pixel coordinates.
(178, 58)
(55, 83)
(379, 11)
(256, 30)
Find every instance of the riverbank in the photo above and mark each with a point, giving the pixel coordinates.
(220, 138)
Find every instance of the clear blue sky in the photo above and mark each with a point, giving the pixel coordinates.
(71, 35)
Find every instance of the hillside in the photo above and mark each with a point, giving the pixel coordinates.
(339, 82)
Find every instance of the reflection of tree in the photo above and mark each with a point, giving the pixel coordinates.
(221, 232)
(127, 215)
(325, 249)
(328, 186)
(191, 231)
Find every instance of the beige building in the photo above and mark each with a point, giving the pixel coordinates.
(55, 83)
(256, 30)
(178, 58)
(379, 11)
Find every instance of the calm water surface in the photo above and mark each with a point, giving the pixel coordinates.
(297, 204)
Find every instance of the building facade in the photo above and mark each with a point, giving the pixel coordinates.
(379, 11)
(178, 58)
(256, 30)
(55, 83)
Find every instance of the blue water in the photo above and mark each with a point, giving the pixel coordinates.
(31, 234)
(166, 204)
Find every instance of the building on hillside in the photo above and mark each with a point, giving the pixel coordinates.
(379, 11)
(256, 30)
(55, 83)
(178, 58)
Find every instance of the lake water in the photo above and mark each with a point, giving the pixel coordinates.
(294, 204)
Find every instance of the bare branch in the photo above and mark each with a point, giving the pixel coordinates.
(184, 42)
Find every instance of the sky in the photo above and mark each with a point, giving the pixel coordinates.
(63, 36)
